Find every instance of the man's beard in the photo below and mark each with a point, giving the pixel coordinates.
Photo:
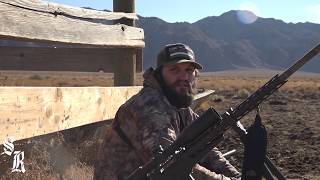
(175, 98)
(179, 100)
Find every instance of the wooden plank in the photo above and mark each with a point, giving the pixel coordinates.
(125, 66)
(32, 111)
(18, 23)
(201, 97)
(125, 69)
(63, 59)
(64, 10)
(139, 60)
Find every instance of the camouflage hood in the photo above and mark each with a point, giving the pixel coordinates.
(150, 80)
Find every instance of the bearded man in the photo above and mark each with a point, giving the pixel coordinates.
(153, 118)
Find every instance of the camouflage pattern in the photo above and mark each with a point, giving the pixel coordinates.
(148, 120)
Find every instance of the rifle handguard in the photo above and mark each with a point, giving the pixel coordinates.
(176, 162)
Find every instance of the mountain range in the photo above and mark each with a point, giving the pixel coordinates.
(226, 43)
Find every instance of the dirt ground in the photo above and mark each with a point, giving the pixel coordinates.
(291, 117)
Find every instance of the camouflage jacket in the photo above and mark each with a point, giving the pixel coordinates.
(148, 120)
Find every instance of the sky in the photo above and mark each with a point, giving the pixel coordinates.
(193, 10)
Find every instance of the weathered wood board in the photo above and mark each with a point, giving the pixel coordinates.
(28, 24)
(64, 59)
(32, 111)
(51, 7)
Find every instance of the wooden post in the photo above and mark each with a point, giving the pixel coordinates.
(127, 6)
(125, 65)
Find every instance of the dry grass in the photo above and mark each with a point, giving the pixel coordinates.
(55, 79)
(301, 83)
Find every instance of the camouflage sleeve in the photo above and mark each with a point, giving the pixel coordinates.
(214, 161)
(155, 133)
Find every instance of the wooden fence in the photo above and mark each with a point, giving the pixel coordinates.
(42, 36)
(53, 37)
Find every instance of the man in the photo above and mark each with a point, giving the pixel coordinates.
(153, 118)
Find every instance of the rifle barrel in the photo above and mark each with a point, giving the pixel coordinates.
(298, 64)
(272, 85)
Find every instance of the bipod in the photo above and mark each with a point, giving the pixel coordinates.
(256, 162)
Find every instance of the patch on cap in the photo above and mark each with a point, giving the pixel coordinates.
(180, 51)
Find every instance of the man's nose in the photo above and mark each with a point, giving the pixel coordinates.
(184, 76)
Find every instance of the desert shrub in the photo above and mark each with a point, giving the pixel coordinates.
(217, 98)
(35, 77)
(51, 157)
(242, 93)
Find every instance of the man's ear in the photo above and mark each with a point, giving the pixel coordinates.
(197, 73)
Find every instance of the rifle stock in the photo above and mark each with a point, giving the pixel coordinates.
(203, 134)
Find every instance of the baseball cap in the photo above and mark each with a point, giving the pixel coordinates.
(175, 54)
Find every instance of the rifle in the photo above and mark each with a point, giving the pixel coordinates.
(197, 139)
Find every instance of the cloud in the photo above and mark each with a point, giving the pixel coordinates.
(314, 12)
